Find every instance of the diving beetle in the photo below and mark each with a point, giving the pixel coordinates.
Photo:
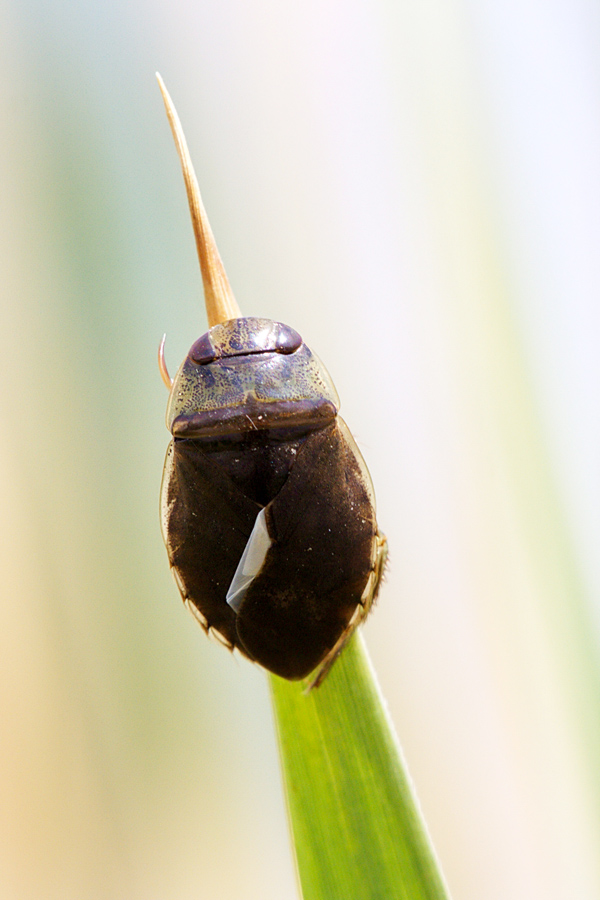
(267, 506)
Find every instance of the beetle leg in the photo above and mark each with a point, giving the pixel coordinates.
(220, 638)
(360, 613)
(162, 366)
(202, 620)
(324, 667)
(377, 572)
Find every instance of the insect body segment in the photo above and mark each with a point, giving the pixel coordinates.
(267, 506)
(246, 374)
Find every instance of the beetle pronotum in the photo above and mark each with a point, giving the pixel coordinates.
(267, 506)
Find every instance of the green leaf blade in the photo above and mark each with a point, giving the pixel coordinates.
(357, 829)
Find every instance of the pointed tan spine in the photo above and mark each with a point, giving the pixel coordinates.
(221, 305)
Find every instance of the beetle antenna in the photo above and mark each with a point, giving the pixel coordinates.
(221, 305)
(162, 366)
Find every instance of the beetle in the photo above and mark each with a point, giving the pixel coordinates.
(267, 506)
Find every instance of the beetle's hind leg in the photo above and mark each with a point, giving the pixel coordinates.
(202, 620)
(360, 613)
(377, 572)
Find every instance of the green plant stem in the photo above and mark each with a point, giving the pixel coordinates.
(357, 828)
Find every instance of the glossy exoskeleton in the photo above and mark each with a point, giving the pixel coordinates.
(267, 507)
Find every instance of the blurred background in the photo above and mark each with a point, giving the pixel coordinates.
(415, 187)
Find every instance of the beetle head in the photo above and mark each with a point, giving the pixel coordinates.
(249, 374)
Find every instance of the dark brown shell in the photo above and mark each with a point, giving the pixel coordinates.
(300, 464)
